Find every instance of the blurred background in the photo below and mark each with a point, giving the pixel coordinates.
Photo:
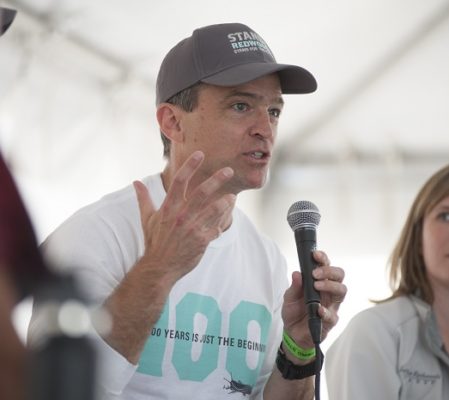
(77, 114)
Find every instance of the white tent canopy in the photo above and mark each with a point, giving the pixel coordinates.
(77, 111)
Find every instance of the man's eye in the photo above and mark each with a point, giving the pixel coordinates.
(275, 112)
(240, 106)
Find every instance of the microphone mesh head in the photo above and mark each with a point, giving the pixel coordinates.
(302, 214)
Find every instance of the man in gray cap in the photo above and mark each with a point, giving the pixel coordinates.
(200, 301)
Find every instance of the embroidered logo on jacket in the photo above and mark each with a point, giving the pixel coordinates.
(419, 377)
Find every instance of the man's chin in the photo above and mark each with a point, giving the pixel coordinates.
(257, 183)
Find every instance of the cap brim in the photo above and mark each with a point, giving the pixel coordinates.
(6, 18)
(293, 79)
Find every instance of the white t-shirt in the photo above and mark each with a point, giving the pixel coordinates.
(221, 326)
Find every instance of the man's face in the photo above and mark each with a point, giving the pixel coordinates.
(235, 127)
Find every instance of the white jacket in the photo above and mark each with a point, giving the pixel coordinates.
(390, 351)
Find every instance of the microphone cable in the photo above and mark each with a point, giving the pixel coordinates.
(318, 364)
(315, 327)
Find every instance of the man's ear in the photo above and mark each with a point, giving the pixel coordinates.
(169, 117)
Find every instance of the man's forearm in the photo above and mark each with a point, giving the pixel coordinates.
(135, 306)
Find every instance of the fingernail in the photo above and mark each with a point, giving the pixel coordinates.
(319, 285)
(227, 172)
(198, 155)
(318, 253)
(317, 273)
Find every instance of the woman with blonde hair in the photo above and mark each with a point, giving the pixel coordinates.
(399, 349)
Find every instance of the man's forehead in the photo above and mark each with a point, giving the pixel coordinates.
(267, 87)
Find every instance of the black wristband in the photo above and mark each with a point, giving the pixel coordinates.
(292, 371)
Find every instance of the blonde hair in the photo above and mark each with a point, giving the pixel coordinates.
(407, 271)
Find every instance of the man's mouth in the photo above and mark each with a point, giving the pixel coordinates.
(258, 155)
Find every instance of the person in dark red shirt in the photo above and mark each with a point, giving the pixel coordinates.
(21, 268)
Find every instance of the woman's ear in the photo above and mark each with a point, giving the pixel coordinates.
(168, 117)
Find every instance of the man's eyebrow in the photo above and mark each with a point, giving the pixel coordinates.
(277, 100)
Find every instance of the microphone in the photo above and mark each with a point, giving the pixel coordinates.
(303, 217)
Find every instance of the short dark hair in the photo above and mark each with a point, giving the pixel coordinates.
(187, 100)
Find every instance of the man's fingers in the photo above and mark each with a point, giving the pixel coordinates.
(206, 189)
(335, 289)
(294, 292)
(330, 285)
(146, 206)
(212, 217)
(328, 317)
(178, 188)
(321, 258)
(335, 274)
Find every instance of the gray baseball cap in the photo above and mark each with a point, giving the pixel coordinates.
(225, 55)
(6, 17)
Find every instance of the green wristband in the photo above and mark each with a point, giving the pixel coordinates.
(297, 351)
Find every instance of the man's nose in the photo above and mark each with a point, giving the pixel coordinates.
(263, 125)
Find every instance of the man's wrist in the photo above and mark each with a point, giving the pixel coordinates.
(291, 371)
(292, 358)
(296, 353)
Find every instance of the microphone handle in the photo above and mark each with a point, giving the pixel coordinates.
(305, 245)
